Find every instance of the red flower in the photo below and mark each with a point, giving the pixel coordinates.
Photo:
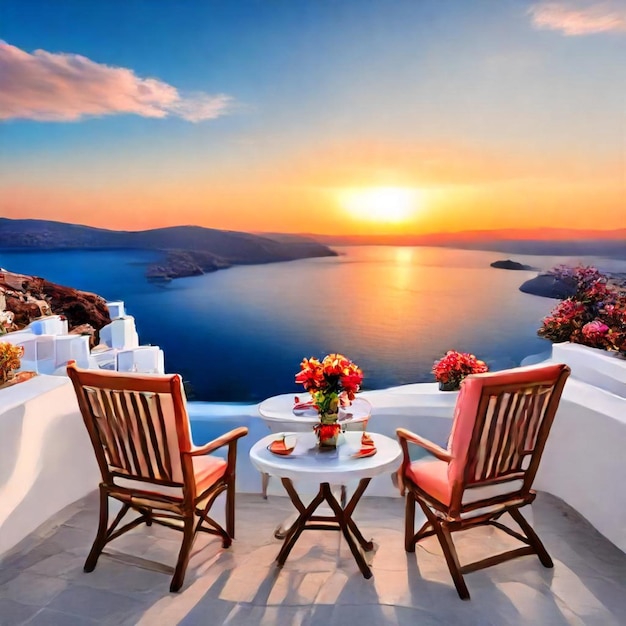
(455, 366)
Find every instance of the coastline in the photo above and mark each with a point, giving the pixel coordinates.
(187, 250)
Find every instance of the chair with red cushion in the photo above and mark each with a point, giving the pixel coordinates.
(139, 429)
(501, 423)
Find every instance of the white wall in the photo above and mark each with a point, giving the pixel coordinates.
(584, 462)
(46, 458)
(602, 369)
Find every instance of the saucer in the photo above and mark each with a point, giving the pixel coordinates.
(283, 446)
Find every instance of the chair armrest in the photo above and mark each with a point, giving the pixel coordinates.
(405, 435)
(219, 442)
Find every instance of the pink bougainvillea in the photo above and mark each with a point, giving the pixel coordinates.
(594, 316)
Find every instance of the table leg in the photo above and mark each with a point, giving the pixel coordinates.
(346, 524)
(281, 530)
(284, 527)
(349, 509)
(296, 530)
(342, 520)
(265, 481)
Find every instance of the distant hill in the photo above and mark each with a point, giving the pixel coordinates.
(189, 250)
(551, 241)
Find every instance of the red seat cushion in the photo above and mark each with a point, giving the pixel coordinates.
(431, 476)
(207, 470)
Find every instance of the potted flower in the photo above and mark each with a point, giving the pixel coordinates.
(10, 356)
(332, 382)
(454, 366)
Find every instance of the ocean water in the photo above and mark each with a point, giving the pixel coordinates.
(238, 335)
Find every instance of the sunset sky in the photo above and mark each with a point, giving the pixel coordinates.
(344, 117)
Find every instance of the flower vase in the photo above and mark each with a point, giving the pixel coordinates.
(327, 432)
(451, 385)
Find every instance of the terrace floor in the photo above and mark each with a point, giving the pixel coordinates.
(42, 582)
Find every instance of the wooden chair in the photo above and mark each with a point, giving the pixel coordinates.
(501, 423)
(140, 433)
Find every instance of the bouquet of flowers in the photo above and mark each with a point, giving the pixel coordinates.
(594, 315)
(10, 356)
(454, 366)
(332, 382)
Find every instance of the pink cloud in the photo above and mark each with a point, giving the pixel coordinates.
(580, 18)
(62, 87)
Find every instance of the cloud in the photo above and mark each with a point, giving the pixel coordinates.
(580, 17)
(62, 87)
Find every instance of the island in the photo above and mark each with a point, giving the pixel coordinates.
(511, 265)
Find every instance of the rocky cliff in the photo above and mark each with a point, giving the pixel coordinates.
(31, 297)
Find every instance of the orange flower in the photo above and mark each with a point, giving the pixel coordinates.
(335, 375)
(10, 356)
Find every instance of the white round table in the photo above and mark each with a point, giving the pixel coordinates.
(279, 414)
(327, 468)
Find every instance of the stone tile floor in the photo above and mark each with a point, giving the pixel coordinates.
(42, 582)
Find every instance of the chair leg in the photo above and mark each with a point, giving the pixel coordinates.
(183, 555)
(533, 538)
(147, 514)
(230, 509)
(409, 523)
(452, 559)
(101, 536)
(425, 531)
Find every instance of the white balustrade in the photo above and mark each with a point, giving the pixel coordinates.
(116, 309)
(51, 325)
(71, 348)
(145, 359)
(120, 333)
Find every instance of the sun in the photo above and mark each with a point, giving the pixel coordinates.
(391, 205)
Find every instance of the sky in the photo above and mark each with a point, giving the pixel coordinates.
(314, 116)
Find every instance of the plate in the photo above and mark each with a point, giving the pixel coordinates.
(283, 446)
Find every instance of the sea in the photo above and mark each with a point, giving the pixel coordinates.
(239, 335)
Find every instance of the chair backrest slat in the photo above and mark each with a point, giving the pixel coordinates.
(502, 420)
(107, 418)
(499, 465)
(535, 417)
(160, 451)
(508, 451)
(131, 433)
(142, 427)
